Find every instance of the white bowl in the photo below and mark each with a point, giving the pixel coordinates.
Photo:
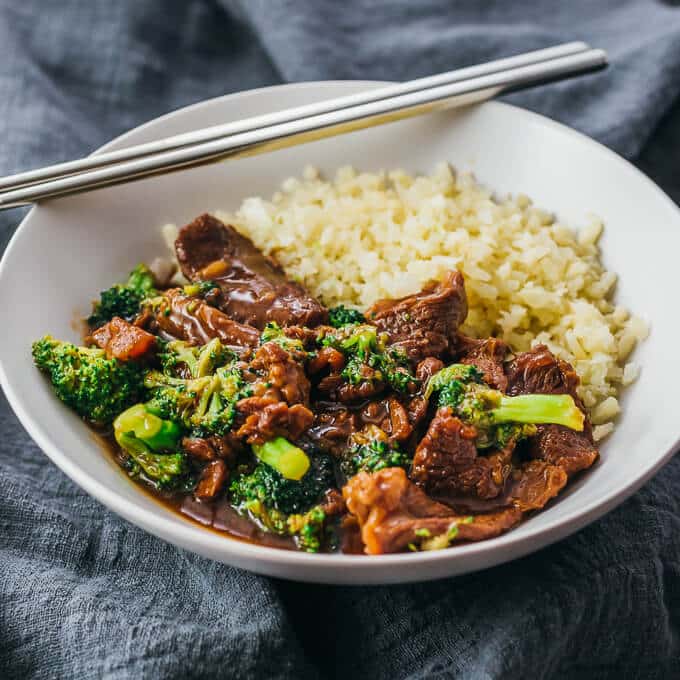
(67, 250)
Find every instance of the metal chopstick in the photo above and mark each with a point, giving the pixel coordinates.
(219, 131)
(313, 127)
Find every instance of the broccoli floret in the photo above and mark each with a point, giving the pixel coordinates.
(198, 361)
(364, 347)
(284, 506)
(151, 444)
(203, 400)
(95, 387)
(268, 485)
(354, 372)
(165, 471)
(124, 299)
(205, 406)
(343, 316)
(497, 417)
(393, 365)
(360, 341)
(264, 515)
(308, 529)
(274, 333)
(374, 456)
(451, 382)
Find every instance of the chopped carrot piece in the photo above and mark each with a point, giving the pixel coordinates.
(121, 340)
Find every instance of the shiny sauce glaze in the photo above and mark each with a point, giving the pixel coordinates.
(253, 288)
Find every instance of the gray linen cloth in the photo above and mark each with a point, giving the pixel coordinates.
(85, 594)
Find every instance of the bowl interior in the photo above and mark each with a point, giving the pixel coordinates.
(71, 248)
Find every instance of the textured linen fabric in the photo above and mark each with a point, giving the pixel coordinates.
(85, 594)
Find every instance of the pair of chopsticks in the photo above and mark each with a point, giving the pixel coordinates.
(302, 123)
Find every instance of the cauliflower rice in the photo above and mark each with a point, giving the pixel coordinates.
(529, 279)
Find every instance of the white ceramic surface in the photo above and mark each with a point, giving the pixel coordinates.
(66, 250)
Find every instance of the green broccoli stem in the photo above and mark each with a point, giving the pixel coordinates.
(535, 409)
(150, 442)
(291, 461)
(163, 468)
(141, 424)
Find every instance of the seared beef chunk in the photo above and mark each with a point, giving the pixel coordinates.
(427, 368)
(332, 428)
(390, 416)
(369, 387)
(281, 376)
(351, 542)
(329, 386)
(389, 509)
(279, 407)
(254, 288)
(268, 418)
(326, 357)
(535, 484)
(336, 388)
(447, 464)
(393, 513)
(489, 525)
(212, 480)
(187, 318)
(528, 487)
(417, 410)
(539, 371)
(199, 448)
(424, 325)
(572, 451)
(333, 503)
(227, 448)
(487, 355)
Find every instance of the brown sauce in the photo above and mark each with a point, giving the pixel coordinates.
(217, 515)
(383, 510)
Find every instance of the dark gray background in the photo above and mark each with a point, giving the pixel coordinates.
(84, 594)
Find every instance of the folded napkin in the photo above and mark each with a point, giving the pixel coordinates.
(85, 594)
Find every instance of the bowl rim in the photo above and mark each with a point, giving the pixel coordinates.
(208, 541)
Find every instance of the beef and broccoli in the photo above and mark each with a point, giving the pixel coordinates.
(242, 401)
